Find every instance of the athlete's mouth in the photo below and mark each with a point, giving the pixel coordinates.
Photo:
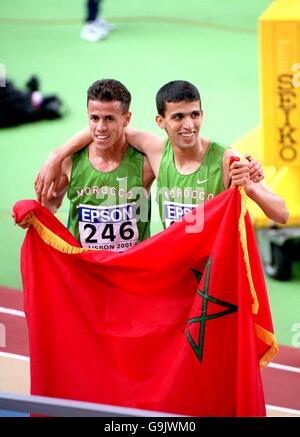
(187, 134)
(102, 137)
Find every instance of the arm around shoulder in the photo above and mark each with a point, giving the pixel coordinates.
(75, 143)
(149, 144)
(53, 199)
(49, 175)
(145, 142)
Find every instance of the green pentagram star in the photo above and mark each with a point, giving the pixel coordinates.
(202, 319)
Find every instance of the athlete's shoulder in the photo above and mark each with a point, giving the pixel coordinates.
(220, 146)
(165, 145)
(132, 151)
(233, 152)
(80, 154)
(215, 149)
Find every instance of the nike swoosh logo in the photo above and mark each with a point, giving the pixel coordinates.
(202, 182)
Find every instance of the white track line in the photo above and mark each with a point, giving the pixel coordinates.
(285, 368)
(14, 356)
(277, 366)
(12, 312)
(268, 406)
(282, 409)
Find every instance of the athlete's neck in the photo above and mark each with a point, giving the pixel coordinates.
(107, 159)
(189, 160)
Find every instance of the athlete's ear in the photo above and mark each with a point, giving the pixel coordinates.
(160, 121)
(127, 118)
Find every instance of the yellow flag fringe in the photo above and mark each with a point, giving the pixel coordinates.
(62, 246)
(269, 338)
(262, 333)
(49, 237)
(243, 238)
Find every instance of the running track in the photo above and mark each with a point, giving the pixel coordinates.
(281, 378)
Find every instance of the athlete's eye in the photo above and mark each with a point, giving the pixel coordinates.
(177, 117)
(195, 114)
(109, 118)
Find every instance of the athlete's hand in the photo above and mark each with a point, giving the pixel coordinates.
(239, 172)
(48, 177)
(255, 169)
(51, 201)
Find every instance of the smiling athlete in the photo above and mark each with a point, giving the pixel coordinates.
(189, 168)
(108, 181)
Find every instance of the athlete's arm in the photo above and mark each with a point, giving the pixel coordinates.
(148, 175)
(53, 199)
(151, 145)
(272, 205)
(49, 175)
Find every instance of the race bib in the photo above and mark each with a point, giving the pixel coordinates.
(108, 227)
(174, 212)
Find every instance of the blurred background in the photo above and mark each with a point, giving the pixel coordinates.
(214, 45)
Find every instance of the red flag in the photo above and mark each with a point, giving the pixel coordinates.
(138, 329)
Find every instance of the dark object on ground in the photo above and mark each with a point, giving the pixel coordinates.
(33, 84)
(18, 107)
(279, 248)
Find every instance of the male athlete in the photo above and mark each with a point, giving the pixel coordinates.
(189, 168)
(108, 181)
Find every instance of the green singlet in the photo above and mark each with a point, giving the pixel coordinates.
(177, 194)
(109, 211)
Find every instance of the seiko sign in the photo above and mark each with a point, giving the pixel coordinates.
(287, 103)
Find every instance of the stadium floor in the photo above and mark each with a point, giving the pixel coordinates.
(281, 378)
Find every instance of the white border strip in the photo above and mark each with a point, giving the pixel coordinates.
(68, 408)
(269, 407)
(283, 367)
(12, 312)
(283, 409)
(14, 356)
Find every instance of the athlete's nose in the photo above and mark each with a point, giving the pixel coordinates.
(101, 126)
(188, 123)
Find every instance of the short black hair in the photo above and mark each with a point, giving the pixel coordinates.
(108, 90)
(176, 91)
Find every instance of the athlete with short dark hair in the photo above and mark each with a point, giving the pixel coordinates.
(189, 168)
(108, 181)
